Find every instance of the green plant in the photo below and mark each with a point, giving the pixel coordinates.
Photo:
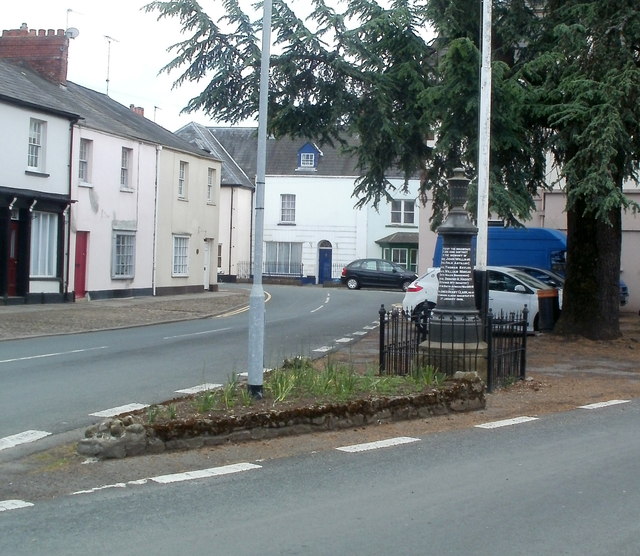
(427, 376)
(229, 392)
(152, 413)
(172, 411)
(281, 383)
(205, 401)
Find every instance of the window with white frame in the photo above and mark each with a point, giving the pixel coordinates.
(125, 168)
(211, 180)
(307, 160)
(37, 138)
(180, 256)
(282, 257)
(123, 254)
(183, 178)
(402, 255)
(403, 211)
(84, 160)
(287, 208)
(44, 245)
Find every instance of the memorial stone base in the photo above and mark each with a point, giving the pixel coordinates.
(451, 358)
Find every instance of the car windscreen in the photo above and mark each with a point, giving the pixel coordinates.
(530, 281)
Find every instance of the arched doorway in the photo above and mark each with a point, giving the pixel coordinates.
(325, 251)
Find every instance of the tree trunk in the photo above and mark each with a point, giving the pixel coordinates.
(591, 297)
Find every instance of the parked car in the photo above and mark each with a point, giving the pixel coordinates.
(376, 273)
(557, 280)
(510, 290)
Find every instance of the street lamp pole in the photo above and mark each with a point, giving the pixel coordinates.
(256, 297)
(484, 139)
(484, 151)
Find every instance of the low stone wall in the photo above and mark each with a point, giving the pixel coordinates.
(122, 437)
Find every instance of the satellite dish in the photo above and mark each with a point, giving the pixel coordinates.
(71, 33)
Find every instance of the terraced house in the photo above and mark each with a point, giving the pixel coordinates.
(95, 199)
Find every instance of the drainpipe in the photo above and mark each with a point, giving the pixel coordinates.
(155, 223)
(72, 125)
(231, 229)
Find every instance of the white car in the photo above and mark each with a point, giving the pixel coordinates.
(509, 291)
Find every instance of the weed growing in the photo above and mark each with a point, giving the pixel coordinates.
(297, 381)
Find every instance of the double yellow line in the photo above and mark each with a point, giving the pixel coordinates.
(244, 308)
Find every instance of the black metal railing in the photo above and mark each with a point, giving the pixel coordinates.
(405, 345)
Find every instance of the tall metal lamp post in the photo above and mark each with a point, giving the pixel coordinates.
(256, 297)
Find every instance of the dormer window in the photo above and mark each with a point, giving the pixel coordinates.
(307, 160)
(308, 157)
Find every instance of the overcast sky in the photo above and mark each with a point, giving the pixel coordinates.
(136, 54)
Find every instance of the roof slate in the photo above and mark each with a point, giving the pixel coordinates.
(232, 173)
(20, 85)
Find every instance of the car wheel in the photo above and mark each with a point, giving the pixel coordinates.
(352, 284)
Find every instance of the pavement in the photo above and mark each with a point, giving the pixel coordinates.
(31, 320)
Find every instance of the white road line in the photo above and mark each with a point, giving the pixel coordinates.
(360, 333)
(323, 349)
(21, 438)
(371, 327)
(378, 444)
(196, 333)
(344, 340)
(323, 305)
(31, 357)
(205, 473)
(200, 388)
(506, 422)
(97, 489)
(119, 410)
(178, 477)
(6, 505)
(602, 404)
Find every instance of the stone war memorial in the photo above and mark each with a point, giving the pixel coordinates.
(455, 341)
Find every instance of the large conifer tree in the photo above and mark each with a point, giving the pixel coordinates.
(393, 74)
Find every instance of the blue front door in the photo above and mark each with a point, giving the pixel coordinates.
(324, 264)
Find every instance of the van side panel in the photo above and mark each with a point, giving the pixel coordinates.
(538, 247)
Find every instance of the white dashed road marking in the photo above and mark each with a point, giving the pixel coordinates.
(506, 422)
(21, 438)
(344, 340)
(378, 444)
(200, 388)
(602, 404)
(30, 357)
(196, 333)
(323, 349)
(119, 410)
(205, 473)
(6, 505)
(179, 477)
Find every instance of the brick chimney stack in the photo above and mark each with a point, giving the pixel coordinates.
(45, 52)
(137, 109)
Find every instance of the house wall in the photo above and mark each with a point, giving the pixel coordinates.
(379, 223)
(235, 230)
(14, 141)
(324, 211)
(193, 217)
(46, 190)
(104, 207)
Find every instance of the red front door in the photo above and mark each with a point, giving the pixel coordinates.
(82, 240)
(12, 285)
